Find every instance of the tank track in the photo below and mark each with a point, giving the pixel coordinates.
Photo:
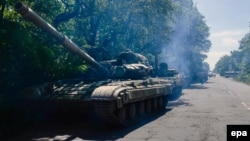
(129, 113)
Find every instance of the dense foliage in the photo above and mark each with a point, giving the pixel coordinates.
(238, 60)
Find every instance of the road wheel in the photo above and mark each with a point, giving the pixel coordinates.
(149, 106)
(141, 108)
(132, 112)
(121, 114)
(154, 104)
(160, 102)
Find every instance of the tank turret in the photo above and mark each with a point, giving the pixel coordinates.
(123, 95)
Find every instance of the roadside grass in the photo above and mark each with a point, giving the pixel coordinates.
(243, 78)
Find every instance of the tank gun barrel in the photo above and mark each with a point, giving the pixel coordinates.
(29, 14)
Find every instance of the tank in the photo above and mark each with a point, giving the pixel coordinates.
(175, 77)
(120, 92)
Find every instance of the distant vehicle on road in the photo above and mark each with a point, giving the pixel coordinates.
(211, 74)
(231, 73)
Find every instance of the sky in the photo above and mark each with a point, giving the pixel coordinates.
(228, 22)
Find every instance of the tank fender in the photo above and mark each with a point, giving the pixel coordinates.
(111, 93)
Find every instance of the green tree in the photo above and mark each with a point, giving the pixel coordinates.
(245, 51)
(222, 65)
(206, 66)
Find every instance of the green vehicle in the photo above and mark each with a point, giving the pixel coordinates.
(175, 77)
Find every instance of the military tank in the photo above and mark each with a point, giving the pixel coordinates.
(121, 92)
(175, 77)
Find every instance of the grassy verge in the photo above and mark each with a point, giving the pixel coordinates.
(243, 78)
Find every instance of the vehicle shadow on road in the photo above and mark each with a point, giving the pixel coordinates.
(119, 133)
(177, 103)
(209, 82)
(89, 128)
(198, 86)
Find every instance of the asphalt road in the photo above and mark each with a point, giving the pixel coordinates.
(202, 113)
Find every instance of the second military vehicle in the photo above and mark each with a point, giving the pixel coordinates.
(174, 76)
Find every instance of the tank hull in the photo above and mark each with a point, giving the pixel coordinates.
(117, 103)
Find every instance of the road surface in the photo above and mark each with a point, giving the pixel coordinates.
(202, 113)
